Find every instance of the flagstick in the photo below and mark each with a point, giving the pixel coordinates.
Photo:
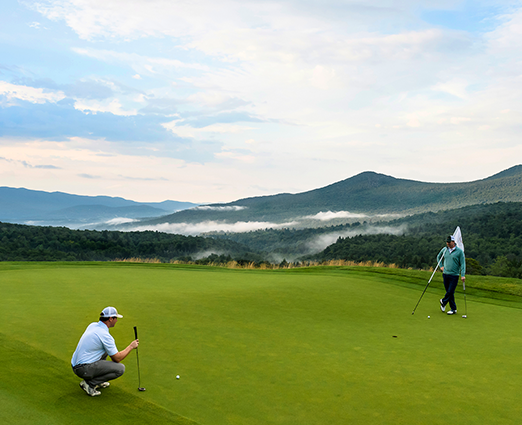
(465, 302)
(458, 240)
(429, 281)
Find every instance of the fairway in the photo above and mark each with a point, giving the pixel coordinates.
(299, 346)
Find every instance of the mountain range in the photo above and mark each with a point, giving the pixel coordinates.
(368, 195)
(19, 205)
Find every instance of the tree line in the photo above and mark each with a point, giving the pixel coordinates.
(492, 236)
(38, 243)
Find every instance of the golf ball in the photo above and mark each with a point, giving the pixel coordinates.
(177, 376)
(428, 317)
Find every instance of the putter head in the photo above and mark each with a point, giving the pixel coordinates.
(464, 316)
(141, 389)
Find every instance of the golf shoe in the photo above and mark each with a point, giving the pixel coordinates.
(88, 389)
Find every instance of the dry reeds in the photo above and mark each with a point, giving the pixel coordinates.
(137, 260)
(268, 266)
(332, 263)
(344, 263)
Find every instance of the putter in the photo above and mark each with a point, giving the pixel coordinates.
(140, 388)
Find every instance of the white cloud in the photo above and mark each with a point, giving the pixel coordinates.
(335, 215)
(119, 220)
(36, 25)
(507, 37)
(113, 106)
(184, 130)
(459, 120)
(210, 98)
(235, 156)
(29, 94)
(339, 87)
(330, 215)
(320, 242)
(224, 208)
(456, 87)
(212, 226)
(145, 64)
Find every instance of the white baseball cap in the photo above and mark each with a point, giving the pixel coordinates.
(110, 312)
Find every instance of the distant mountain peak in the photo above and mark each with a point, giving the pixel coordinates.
(21, 204)
(373, 179)
(510, 172)
(368, 194)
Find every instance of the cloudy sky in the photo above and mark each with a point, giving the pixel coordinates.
(209, 101)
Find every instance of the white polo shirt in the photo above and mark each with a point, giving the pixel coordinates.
(94, 343)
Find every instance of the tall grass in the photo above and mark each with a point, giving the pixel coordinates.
(269, 266)
(137, 260)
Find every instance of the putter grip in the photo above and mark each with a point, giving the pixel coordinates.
(135, 332)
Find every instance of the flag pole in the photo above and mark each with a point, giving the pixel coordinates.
(429, 281)
(465, 302)
(460, 244)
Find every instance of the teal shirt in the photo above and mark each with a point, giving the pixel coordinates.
(454, 262)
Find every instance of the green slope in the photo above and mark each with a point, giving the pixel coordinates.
(307, 346)
(36, 388)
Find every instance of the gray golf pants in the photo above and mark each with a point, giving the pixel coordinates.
(99, 372)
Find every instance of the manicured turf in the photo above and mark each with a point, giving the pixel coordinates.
(317, 346)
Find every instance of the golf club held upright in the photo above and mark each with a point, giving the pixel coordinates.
(140, 388)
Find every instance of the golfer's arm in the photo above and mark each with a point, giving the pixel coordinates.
(120, 355)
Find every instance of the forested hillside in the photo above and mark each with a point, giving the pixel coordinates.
(366, 193)
(492, 239)
(35, 243)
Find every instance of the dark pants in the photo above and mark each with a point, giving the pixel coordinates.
(450, 283)
(99, 372)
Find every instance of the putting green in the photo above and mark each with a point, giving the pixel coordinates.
(315, 346)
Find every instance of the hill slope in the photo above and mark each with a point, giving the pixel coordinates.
(19, 204)
(366, 193)
(40, 391)
(492, 238)
(35, 243)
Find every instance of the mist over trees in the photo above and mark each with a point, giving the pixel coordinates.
(492, 238)
(35, 243)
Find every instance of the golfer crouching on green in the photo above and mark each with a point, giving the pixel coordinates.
(96, 343)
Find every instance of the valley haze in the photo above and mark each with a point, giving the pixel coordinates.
(367, 197)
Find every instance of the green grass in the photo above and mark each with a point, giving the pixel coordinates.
(299, 346)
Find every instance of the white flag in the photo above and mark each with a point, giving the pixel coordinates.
(458, 238)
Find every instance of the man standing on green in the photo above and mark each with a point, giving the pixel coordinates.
(454, 265)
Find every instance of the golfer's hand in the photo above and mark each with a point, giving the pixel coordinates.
(134, 344)
(463, 278)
